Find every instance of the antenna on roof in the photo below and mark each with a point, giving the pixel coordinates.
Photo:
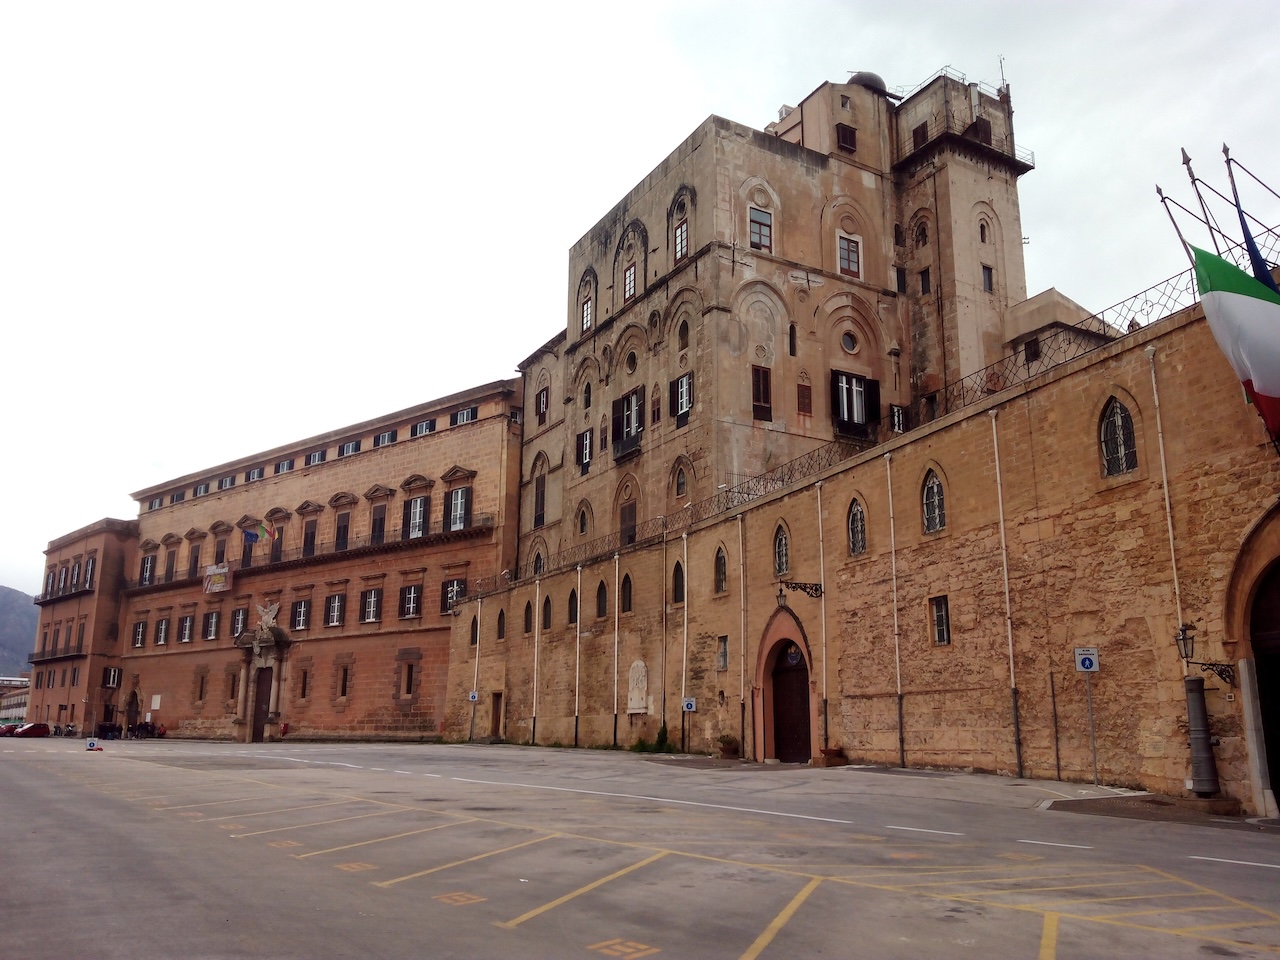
(1003, 82)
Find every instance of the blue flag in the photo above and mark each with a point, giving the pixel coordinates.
(250, 536)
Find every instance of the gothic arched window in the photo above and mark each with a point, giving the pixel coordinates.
(677, 584)
(1119, 447)
(781, 552)
(722, 571)
(935, 507)
(857, 529)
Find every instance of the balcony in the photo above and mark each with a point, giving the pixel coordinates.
(627, 447)
(391, 540)
(70, 590)
(57, 653)
(976, 136)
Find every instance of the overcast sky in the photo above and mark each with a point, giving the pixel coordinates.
(228, 226)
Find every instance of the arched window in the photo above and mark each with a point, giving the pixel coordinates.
(1119, 449)
(677, 584)
(722, 571)
(682, 335)
(781, 552)
(982, 233)
(625, 601)
(935, 507)
(546, 613)
(582, 522)
(573, 606)
(537, 564)
(475, 631)
(791, 339)
(586, 396)
(602, 600)
(922, 235)
(528, 617)
(682, 484)
(502, 624)
(857, 529)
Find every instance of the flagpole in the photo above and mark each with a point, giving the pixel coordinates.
(1195, 185)
(1261, 269)
(1186, 248)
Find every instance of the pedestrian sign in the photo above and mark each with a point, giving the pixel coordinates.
(1087, 659)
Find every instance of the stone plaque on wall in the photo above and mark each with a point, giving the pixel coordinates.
(638, 688)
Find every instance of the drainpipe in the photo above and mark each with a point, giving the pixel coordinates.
(1008, 610)
(665, 599)
(742, 638)
(577, 656)
(684, 653)
(616, 606)
(537, 625)
(897, 646)
(475, 678)
(822, 578)
(1204, 768)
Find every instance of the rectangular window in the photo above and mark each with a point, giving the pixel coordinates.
(187, 628)
(202, 489)
(178, 497)
(583, 447)
(309, 538)
(341, 530)
(586, 315)
(466, 415)
(539, 500)
(156, 503)
(901, 274)
(75, 676)
(804, 399)
(1031, 351)
(284, 466)
(89, 564)
(458, 512)
(941, 618)
(371, 605)
(411, 600)
(988, 279)
(239, 621)
(302, 691)
(348, 448)
(162, 632)
(148, 571)
(722, 653)
(385, 438)
(628, 422)
(253, 474)
(629, 282)
(335, 609)
(627, 525)
(850, 257)
(899, 418)
(80, 637)
(193, 560)
(451, 591)
(414, 522)
(920, 136)
(924, 282)
(315, 457)
(680, 398)
(541, 401)
(855, 403)
(140, 633)
(170, 565)
(343, 681)
(422, 428)
(682, 240)
(761, 394)
(226, 483)
(761, 230)
(209, 629)
(378, 528)
(301, 615)
(111, 677)
(846, 138)
(62, 580)
(220, 550)
(277, 546)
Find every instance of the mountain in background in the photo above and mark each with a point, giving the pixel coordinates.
(18, 618)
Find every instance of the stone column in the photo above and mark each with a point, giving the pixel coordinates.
(243, 700)
(276, 667)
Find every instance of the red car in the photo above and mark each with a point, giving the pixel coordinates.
(32, 730)
(8, 728)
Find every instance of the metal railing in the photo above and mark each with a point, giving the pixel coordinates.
(70, 590)
(935, 128)
(66, 650)
(391, 539)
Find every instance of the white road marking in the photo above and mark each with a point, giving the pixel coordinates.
(945, 833)
(1046, 843)
(407, 773)
(632, 796)
(1243, 863)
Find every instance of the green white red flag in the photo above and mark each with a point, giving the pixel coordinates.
(1244, 316)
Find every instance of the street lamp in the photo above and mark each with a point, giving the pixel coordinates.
(1204, 768)
(1186, 644)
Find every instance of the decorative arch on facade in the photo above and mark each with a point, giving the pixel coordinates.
(685, 304)
(537, 547)
(632, 338)
(920, 233)
(1102, 403)
(541, 465)
(987, 222)
(278, 515)
(762, 310)
(587, 373)
(782, 628)
(856, 525)
(781, 549)
(720, 570)
(343, 499)
(309, 508)
(848, 313)
(633, 247)
(195, 534)
(627, 492)
(843, 215)
(677, 498)
(931, 485)
(583, 511)
(171, 539)
(416, 481)
(588, 289)
(1259, 552)
(759, 193)
(220, 528)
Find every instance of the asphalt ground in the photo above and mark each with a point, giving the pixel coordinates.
(202, 850)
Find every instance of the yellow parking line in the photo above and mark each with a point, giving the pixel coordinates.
(458, 863)
(780, 920)
(215, 803)
(1224, 926)
(1147, 913)
(318, 823)
(1049, 937)
(1016, 878)
(1215, 893)
(1077, 886)
(267, 813)
(509, 924)
(1081, 900)
(398, 836)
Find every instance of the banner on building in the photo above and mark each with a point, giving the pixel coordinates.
(217, 578)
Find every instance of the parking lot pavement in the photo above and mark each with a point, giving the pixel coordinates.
(378, 850)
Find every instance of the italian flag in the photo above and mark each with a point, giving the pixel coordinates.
(1244, 316)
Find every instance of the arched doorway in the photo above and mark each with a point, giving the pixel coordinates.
(790, 680)
(131, 711)
(1264, 635)
(262, 703)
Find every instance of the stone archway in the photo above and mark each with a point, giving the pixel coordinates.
(783, 701)
(1264, 638)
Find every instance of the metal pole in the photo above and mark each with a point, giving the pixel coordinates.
(1053, 700)
(1093, 743)
(577, 654)
(822, 578)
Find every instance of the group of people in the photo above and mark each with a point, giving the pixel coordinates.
(68, 731)
(135, 731)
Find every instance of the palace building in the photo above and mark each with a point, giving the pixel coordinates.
(805, 469)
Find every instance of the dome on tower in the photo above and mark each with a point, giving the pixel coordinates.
(872, 81)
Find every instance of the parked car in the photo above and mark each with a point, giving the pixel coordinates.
(8, 728)
(32, 730)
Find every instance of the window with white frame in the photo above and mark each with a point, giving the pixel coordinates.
(682, 240)
(384, 438)
(210, 630)
(284, 466)
(629, 282)
(541, 404)
(140, 633)
(254, 473)
(202, 490)
(586, 315)
(411, 600)
(177, 496)
(315, 457)
(301, 615)
(935, 508)
(226, 483)
(187, 628)
(155, 503)
(465, 415)
(239, 621)
(940, 616)
(162, 632)
(415, 518)
(335, 609)
(349, 448)
(855, 402)
(451, 591)
(681, 398)
(89, 565)
(148, 571)
(423, 427)
(458, 516)
(582, 450)
(371, 605)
